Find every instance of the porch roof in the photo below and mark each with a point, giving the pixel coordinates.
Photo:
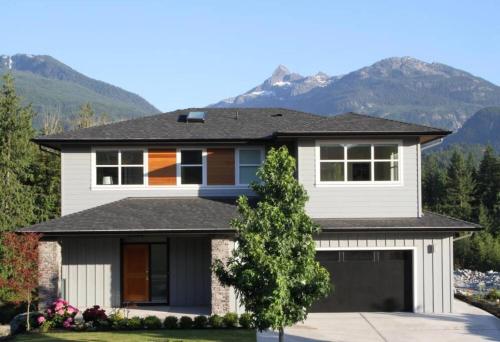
(198, 215)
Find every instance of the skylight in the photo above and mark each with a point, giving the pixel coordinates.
(196, 117)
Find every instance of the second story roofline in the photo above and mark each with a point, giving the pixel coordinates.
(238, 125)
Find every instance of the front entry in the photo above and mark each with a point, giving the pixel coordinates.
(144, 273)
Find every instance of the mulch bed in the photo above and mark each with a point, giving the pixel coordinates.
(492, 308)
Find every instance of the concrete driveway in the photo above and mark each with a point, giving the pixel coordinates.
(467, 324)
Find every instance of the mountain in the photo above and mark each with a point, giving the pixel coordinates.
(482, 128)
(402, 88)
(52, 86)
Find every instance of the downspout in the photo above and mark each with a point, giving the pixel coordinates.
(466, 236)
(421, 148)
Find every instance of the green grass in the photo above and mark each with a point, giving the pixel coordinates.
(208, 335)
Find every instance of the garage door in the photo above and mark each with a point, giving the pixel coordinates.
(367, 281)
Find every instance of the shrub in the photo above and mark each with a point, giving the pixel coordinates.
(170, 322)
(116, 315)
(119, 324)
(200, 322)
(230, 320)
(134, 323)
(152, 322)
(216, 321)
(94, 314)
(493, 295)
(60, 315)
(186, 322)
(246, 320)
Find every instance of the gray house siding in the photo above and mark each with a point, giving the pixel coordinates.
(77, 193)
(360, 201)
(189, 271)
(91, 270)
(434, 269)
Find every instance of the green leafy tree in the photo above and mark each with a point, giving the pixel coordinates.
(16, 158)
(273, 269)
(460, 187)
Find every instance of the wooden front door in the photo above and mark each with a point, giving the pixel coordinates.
(136, 273)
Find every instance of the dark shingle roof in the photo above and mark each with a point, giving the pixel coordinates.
(223, 124)
(198, 214)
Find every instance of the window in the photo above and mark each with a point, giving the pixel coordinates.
(191, 167)
(249, 161)
(363, 163)
(119, 167)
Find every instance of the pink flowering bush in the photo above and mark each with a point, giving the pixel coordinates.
(58, 315)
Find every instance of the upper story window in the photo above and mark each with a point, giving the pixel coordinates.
(249, 161)
(191, 165)
(358, 163)
(119, 167)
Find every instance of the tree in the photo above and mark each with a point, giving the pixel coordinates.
(488, 179)
(433, 184)
(46, 173)
(86, 117)
(16, 158)
(460, 187)
(20, 257)
(273, 269)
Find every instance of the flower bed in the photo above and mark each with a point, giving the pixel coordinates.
(61, 315)
(488, 302)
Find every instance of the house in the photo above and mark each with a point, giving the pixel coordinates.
(147, 204)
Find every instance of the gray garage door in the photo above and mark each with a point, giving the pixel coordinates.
(367, 281)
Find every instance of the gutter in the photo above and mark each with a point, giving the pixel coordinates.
(466, 236)
(432, 144)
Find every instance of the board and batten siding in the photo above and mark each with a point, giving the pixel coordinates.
(360, 201)
(434, 268)
(189, 271)
(91, 271)
(77, 193)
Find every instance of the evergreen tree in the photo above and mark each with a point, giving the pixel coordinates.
(47, 175)
(16, 158)
(488, 180)
(433, 184)
(460, 188)
(274, 270)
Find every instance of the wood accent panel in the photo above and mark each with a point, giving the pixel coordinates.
(162, 167)
(220, 166)
(136, 273)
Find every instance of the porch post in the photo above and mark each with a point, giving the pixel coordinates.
(49, 269)
(220, 295)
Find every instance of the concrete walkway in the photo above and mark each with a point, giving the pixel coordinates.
(467, 324)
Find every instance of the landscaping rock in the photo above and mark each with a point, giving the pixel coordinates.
(4, 330)
(470, 281)
(18, 323)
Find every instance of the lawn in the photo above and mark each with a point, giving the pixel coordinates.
(208, 335)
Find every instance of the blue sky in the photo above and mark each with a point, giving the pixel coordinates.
(193, 53)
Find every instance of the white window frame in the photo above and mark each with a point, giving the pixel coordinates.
(237, 164)
(119, 167)
(372, 160)
(203, 166)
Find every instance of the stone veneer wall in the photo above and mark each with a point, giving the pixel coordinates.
(49, 271)
(220, 302)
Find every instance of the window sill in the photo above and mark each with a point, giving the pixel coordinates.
(168, 187)
(359, 184)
